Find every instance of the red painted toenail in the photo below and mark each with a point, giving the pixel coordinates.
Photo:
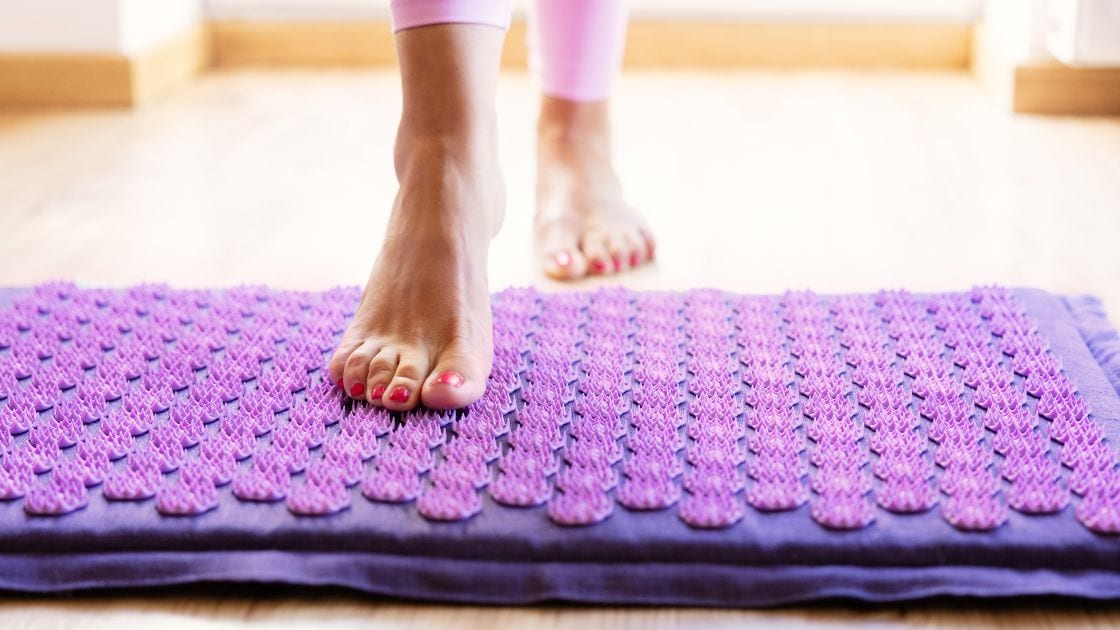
(378, 391)
(635, 259)
(598, 266)
(617, 260)
(563, 259)
(338, 383)
(357, 389)
(399, 394)
(454, 379)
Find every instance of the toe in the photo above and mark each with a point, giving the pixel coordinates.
(635, 249)
(381, 370)
(565, 264)
(619, 248)
(649, 243)
(558, 244)
(458, 379)
(356, 371)
(403, 392)
(337, 365)
(598, 257)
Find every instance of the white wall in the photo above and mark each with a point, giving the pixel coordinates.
(92, 26)
(1017, 29)
(59, 26)
(144, 23)
(1084, 32)
(1075, 32)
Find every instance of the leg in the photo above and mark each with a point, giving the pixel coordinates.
(583, 223)
(422, 331)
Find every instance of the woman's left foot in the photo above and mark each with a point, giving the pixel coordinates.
(583, 224)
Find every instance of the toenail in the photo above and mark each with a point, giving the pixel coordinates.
(634, 259)
(357, 389)
(338, 383)
(617, 260)
(399, 394)
(378, 391)
(598, 266)
(563, 259)
(454, 379)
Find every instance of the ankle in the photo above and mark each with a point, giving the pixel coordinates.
(579, 126)
(435, 169)
(469, 151)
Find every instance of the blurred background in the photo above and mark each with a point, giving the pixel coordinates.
(837, 145)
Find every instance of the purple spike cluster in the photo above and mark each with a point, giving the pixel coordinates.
(715, 431)
(705, 402)
(598, 424)
(526, 470)
(778, 466)
(841, 481)
(1035, 474)
(877, 359)
(653, 463)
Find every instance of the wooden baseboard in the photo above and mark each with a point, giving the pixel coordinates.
(1058, 89)
(778, 45)
(79, 79)
(119, 80)
(1044, 88)
(103, 79)
(241, 43)
(649, 43)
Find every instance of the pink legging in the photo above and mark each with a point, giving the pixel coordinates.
(576, 45)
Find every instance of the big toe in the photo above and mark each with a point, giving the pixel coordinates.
(458, 379)
(561, 257)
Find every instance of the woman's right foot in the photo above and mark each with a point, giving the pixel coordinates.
(422, 332)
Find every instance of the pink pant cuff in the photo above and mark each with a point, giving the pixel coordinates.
(413, 13)
(577, 47)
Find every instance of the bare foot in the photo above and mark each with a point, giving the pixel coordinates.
(583, 224)
(423, 331)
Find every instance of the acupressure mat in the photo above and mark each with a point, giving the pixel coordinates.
(697, 448)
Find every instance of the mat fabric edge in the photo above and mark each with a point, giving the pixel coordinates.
(490, 582)
(1100, 336)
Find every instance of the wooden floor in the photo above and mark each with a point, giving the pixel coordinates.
(753, 182)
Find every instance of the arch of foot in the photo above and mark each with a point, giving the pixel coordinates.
(649, 401)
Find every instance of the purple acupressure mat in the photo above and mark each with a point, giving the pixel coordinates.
(689, 448)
